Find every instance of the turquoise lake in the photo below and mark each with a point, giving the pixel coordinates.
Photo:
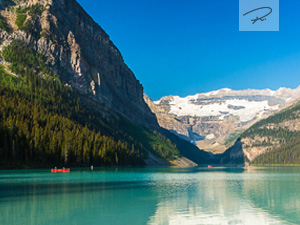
(151, 196)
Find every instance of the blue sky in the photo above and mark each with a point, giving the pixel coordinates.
(183, 47)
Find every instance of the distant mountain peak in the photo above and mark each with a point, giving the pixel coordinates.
(220, 114)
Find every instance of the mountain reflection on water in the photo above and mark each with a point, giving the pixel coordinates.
(152, 196)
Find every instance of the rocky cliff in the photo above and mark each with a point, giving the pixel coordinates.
(79, 51)
(215, 119)
(48, 46)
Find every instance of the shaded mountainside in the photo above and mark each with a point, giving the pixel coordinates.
(79, 51)
(67, 97)
(43, 123)
(275, 140)
(213, 120)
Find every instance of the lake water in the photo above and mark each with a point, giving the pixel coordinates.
(151, 196)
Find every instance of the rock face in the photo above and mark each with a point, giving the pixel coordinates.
(165, 120)
(82, 54)
(214, 120)
(277, 132)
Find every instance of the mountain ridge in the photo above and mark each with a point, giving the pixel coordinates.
(73, 101)
(274, 140)
(212, 120)
(80, 52)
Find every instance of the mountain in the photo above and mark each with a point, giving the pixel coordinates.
(215, 119)
(67, 97)
(79, 51)
(274, 140)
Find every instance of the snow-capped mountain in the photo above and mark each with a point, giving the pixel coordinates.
(211, 120)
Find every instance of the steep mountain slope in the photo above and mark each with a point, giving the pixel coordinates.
(67, 97)
(213, 120)
(79, 51)
(276, 139)
(43, 123)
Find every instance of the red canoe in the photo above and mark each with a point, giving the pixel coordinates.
(60, 170)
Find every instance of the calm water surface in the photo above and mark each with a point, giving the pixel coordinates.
(151, 196)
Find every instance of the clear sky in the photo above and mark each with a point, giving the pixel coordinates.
(184, 47)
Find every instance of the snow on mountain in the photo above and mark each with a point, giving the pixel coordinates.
(244, 109)
(211, 119)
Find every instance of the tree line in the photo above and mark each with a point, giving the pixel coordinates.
(288, 141)
(43, 122)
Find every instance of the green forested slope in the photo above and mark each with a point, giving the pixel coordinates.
(43, 123)
(278, 128)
